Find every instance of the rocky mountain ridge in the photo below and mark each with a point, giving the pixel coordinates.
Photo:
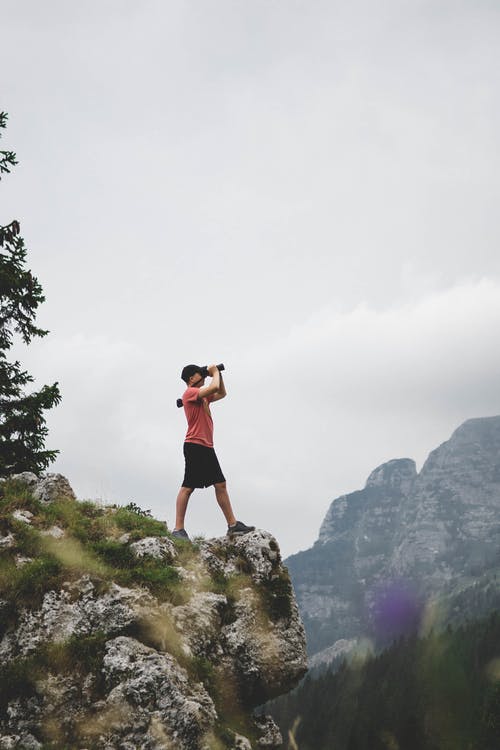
(387, 554)
(115, 635)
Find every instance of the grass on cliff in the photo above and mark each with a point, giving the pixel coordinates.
(93, 543)
(81, 654)
(275, 592)
(21, 679)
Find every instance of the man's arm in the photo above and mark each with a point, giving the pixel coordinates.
(214, 386)
(221, 393)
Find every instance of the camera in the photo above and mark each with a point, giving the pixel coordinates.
(204, 370)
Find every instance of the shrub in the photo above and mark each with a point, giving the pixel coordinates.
(33, 580)
(202, 670)
(19, 677)
(15, 492)
(17, 680)
(134, 508)
(114, 554)
(277, 596)
(162, 580)
(142, 525)
(28, 541)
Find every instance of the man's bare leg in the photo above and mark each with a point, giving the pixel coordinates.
(181, 506)
(224, 503)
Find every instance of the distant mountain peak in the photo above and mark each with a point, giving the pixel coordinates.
(479, 424)
(398, 473)
(473, 448)
(419, 536)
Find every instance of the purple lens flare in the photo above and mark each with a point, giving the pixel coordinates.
(396, 609)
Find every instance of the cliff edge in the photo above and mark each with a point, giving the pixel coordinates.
(115, 635)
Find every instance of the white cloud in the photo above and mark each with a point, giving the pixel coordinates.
(307, 417)
(306, 192)
(347, 391)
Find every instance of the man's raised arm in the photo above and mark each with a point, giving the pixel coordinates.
(221, 393)
(214, 386)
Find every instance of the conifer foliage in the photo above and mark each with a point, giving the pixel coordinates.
(22, 424)
(438, 692)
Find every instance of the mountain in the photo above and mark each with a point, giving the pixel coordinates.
(409, 547)
(115, 635)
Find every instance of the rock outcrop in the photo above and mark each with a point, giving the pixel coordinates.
(406, 540)
(115, 635)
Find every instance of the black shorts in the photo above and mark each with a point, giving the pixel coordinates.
(202, 466)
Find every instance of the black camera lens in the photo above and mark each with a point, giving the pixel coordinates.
(204, 370)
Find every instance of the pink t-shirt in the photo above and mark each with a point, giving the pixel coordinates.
(200, 425)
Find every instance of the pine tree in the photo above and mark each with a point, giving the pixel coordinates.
(22, 424)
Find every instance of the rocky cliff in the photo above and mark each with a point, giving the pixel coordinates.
(387, 553)
(114, 635)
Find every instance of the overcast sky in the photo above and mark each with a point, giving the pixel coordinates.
(305, 191)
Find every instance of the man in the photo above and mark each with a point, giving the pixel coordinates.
(202, 465)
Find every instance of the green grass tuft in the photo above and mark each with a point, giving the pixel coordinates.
(27, 539)
(277, 596)
(81, 654)
(25, 586)
(16, 494)
(127, 569)
(114, 554)
(37, 577)
(202, 670)
(140, 525)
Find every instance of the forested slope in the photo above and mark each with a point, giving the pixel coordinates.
(441, 692)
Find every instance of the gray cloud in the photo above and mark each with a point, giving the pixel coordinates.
(305, 191)
(308, 416)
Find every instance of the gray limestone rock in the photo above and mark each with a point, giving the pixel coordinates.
(47, 487)
(241, 743)
(26, 477)
(269, 734)
(55, 531)
(7, 541)
(53, 487)
(265, 658)
(145, 684)
(21, 560)
(76, 610)
(19, 742)
(22, 515)
(258, 549)
(230, 635)
(200, 621)
(264, 644)
(158, 547)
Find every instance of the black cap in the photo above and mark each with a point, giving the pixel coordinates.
(190, 370)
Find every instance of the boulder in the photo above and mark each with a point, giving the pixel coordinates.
(158, 547)
(53, 487)
(155, 668)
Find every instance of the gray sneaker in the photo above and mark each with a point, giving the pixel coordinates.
(239, 528)
(181, 534)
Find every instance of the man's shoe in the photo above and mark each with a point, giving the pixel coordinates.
(181, 534)
(239, 528)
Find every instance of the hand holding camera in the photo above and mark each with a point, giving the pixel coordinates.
(205, 371)
(210, 370)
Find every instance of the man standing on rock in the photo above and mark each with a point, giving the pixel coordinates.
(202, 465)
